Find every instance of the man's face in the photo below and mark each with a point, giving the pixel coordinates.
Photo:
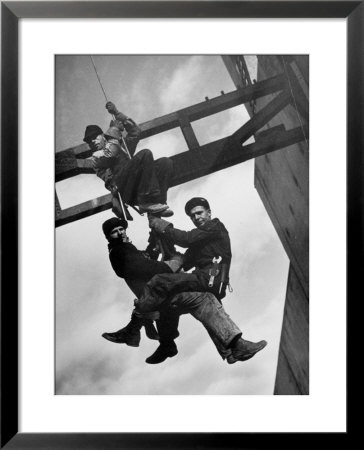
(119, 232)
(98, 143)
(200, 215)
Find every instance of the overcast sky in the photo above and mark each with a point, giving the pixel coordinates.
(91, 299)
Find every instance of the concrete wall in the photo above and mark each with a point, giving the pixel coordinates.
(293, 366)
(282, 181)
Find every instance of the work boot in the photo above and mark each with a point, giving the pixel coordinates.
(244, 350)
(129, 335)
(167, 212)
(163, 352)
(150, 330)
(156, 208)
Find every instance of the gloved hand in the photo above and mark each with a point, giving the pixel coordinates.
(118, 124)
(110, 106)
(158, 225)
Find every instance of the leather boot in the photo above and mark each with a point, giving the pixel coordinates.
(164, 351)
(129, 335)
(150, 330)
(244, 350)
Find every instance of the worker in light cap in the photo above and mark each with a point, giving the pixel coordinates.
(139, 179)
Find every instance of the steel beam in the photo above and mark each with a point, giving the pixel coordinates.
(262, 117)
(215, 105)
(188, 133)
(68, 165)
(205, 160)
(67, 161)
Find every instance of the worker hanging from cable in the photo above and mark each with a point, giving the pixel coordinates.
(134, 178)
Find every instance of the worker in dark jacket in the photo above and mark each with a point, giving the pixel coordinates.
(139, 179)
(209, 251)
(136, 268)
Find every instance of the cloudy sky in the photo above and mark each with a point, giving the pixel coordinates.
(91, 299)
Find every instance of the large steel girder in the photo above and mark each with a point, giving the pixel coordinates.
(190, 165)
(71, 162)
(198, 160)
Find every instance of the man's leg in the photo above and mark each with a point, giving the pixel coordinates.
(164, 172)
(223, 331)
(204, 307)
(167, 326)
(164, 286)
(129, 335)
(137, 181)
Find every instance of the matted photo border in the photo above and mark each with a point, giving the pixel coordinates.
(11, 13)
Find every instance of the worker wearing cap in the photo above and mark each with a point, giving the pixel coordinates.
(136, 268)
(208, 251)
(140, 180)
(133, 265)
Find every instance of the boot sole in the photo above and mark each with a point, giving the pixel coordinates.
(119, 341)
(248, 356)
(162, 360)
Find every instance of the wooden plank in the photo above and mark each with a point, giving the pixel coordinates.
(205, 160)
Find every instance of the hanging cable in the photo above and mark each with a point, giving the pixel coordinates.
(294, 100)
(125, 148)
(97, 75)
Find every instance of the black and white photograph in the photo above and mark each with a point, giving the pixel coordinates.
(181, 224)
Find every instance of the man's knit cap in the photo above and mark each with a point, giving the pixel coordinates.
(112, 223)
(196, 201)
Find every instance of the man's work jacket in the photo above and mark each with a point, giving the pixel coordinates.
(135, 266)
(114, 156)
(203, 244)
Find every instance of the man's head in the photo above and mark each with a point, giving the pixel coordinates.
(198, 209)
(94, 137)
(115, 228)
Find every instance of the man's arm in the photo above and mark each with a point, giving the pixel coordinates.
(124, 122)
(183, 238)
(136, 265)
(106, 158)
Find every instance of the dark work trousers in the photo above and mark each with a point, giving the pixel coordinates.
(166, 285)
(204, 307)
(142, 180)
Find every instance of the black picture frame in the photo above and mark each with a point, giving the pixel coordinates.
(11, 12)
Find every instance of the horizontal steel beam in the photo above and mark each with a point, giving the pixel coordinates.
(68, 165)
(215, 105)
(67, 161)
(205, 160)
